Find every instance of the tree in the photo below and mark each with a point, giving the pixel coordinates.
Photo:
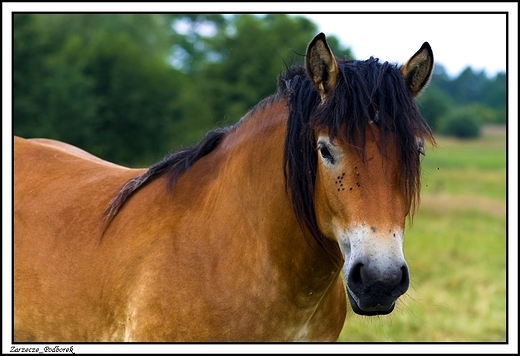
(467, 91)
(461, 124)
(250, 52)
(434, 104)
(101, 82)
(191, 33)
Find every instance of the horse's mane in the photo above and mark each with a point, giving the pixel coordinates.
(366, 91)
(174, 164)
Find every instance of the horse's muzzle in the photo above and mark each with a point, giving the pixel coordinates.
(372, 293)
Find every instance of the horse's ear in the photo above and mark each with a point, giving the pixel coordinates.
(418, 70)
(321, 65)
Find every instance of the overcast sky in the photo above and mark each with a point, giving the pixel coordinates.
(457, 40)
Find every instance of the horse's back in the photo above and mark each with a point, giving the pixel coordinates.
(73, 150)
(60, 194)
(51, 175)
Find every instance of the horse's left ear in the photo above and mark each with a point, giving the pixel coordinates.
(418, 70)
(321, 65)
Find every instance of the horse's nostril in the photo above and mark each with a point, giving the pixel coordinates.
(355, 275)
(405, 279)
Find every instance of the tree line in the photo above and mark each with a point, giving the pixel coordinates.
(132, 87)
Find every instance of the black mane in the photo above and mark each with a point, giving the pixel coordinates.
(365, 91)
(174, 164)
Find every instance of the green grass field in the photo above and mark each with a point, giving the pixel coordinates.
(455, 249)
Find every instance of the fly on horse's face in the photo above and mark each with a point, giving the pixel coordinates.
(362, 196)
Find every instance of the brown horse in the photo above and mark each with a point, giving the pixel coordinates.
(258, 233)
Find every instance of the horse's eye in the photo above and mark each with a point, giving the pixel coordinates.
(325, 153)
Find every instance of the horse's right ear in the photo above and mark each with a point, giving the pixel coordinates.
(321, 65)
(418, 70)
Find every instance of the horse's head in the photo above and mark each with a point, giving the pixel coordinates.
(368, 136)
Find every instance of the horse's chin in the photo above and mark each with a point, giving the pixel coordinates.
(369, 311)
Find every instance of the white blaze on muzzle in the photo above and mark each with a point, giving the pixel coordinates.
(375, 270)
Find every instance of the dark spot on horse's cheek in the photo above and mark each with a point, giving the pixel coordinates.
(373, 228)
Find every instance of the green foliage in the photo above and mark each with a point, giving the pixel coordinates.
(472, 87)
(189, 51)
(252, 52)
(485, 114)
(461, 124)
(468, 91)
(98, 85)
(434, 105)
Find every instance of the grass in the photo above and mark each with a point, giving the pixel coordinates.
(455, 249)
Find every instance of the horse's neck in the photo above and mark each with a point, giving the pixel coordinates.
(252, 179)
(253, 155)
(251, 172)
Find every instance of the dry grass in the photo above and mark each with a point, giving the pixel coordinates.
(450, 204)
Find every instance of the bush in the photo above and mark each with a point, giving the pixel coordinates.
(461, 124)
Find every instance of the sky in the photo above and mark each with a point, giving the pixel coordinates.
(457, 40)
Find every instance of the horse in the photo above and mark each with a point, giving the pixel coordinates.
(263, 231)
